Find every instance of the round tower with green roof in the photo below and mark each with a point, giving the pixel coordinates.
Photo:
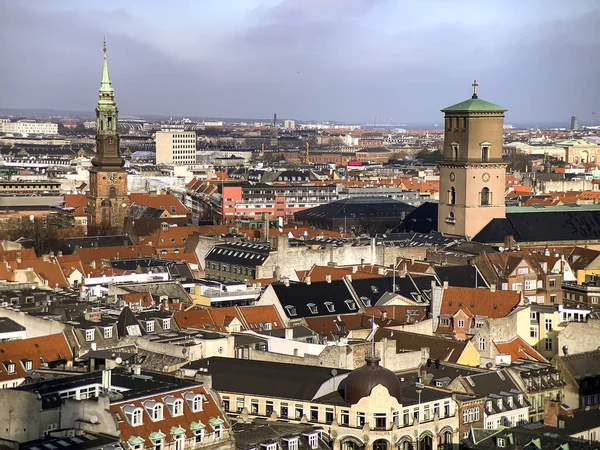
(472, 173)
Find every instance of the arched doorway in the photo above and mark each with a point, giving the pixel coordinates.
(406, 443)
(351, 444)
(445, 439)
(380, 444)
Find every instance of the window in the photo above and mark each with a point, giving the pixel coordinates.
(267, 326)
(166, 324)
(283, 410)
(299, 411)
(89, 335)
(268, 408)
(351, 305)
(157, 412)
(594, 300)
(533, 332)
(254, 407)
(330, 306)
(312, 308)
(445, 322)
(291, 310)
(239, 405)
(481, 343)
(530, 285)
(552, 283)
(226, 403)
(548, 343)
(149, 326)
(329, 415)
(486, 197)
(452, 196)
(133, 414)
(313, 440)
(454, 151)
(436, 409)
(158, 444)
(517, 287)
(108, 332)
(218, 430)
(198, 435)
(179, 442)
(500, 442)
(470, 415)
(345, 417)
(292, 444)
(360, 419)
(426, 413)
(406, 417)
(10, 367)
(485, 153)
(314, 413)
(461, 323)
(548, 324)
(28, 365)
(447, 408)
(522, 270)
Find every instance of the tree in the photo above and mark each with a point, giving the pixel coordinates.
(37, 230)
(429, 156)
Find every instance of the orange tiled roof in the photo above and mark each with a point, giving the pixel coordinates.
(78, 202)
(51, 348)
(168, 202)
(319, 273)
(123, 252)
(479, 302)
(11, 255)
(519, 349)
(144, 299)
(197, 317)
(253, 316)
(50, 271)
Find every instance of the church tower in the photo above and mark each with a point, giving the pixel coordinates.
(108, 203)
(472, 173)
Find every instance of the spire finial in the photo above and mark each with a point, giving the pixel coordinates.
(104, 47)
(475, 84)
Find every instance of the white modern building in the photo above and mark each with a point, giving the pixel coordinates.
(176, 147)
(29, 127)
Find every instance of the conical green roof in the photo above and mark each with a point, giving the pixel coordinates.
(475, 105)
(105, 84)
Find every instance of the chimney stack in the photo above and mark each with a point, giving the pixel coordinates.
(492, 287)
(328, 278)
(307, 280)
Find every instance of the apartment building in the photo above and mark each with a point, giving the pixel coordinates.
(29, 127)
(177, 147)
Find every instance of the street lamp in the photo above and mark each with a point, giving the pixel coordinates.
(419, 389)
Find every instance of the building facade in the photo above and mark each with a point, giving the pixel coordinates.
(108, 203)
(29, 127)
(176, 147)
(472, 173)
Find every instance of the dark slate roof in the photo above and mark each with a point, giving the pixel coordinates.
(240, 253)
(370, 290)
(460, 276)
(127, 318)
(69, 245)
(572, 225)
(421, 220)
(582, 365)
(9, 326)
(292, 381)
(300, 295)
(137, 212)
(260, 431)
(491, 383)
(356, 207)
(81, 441)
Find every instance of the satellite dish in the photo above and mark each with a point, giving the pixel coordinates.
(94, 419)
(489, 365)
(334, 372)
(119, 360)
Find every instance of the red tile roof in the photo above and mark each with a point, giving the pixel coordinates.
(519, 349)
(479, 302)
(168, 202)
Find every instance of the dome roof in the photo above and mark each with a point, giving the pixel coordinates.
(360, 382)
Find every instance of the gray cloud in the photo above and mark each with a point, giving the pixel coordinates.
(307, 59)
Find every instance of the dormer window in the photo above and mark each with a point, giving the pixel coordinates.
(292, 443)
(313, 440)
(520, 397)
(27, 364)
(351, 305)
(10, 367)
(194, 401)
(501, 442)
(149, 326)
(166, 324)
(489, 406)
(509, 401)
(175, 405)
(89, 335)
(330, 307)
(108, 332)
(291, 310)
(312, 308)
(499, 403)
(155, 409)
(134, 415)
(133, 330)
(269, 446)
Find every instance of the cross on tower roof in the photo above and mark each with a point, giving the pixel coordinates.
(475, 84)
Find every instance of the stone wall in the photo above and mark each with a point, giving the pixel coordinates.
(20, 417)
(35, 326)
(579, 337)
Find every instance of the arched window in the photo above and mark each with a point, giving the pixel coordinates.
(452, 196)
(112, 192)
(485, 196)
(454, 151)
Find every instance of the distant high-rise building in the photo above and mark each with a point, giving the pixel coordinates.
(574, 123)
(472, 173)
(176, 146)
(289, 124)
(108, 202)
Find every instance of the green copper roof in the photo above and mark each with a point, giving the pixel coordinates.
(195, 426)
(106, 85)
(475, 105)
(177, 430)
(136, 440)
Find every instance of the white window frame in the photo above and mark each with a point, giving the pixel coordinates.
(149, 326)
(460, 323)
(313, 440)
(108, 332)
(90, 335)
(166, 324)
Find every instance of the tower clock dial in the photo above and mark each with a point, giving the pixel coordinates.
(112, 177)
(452, 176)
(485, 177)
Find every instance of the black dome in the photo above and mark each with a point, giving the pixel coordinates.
(360, 382)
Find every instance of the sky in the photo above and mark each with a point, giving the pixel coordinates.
(394, 61)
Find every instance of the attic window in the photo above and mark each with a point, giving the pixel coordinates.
(172, 209)
(330, 307)
(10, 367)
(351, 305)
(313, 308)
(291, 310)
(501, 442)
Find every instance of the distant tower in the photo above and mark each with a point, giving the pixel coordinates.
(108, 203)
(472, 173)
(574, 123)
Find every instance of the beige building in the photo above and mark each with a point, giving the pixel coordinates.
(29, 127)
(579, 151)
(472, 173)
(176, 147)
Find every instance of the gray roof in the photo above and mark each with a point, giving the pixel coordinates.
(582, 365)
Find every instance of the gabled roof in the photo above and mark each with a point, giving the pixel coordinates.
(517, 348)
(582, 365)
(320, 273)
(460, 276)
(479, 302)
(127, 318)
(167, 202)
(51, 348)
(333, 326)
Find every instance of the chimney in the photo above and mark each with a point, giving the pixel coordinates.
(286, 282)
(265, 230)
(551, 413)
(106, 379)
(349, 278)
(328, 278)
(307, 279)
(278, 273)
(509, 242)
(492, 287)
(354, 269)
(445, 285)
(59, 253)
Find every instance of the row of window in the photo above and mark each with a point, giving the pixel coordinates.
(90, 334)
(155, 410)
(485, 197)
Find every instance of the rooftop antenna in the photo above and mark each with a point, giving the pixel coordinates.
(373, 336)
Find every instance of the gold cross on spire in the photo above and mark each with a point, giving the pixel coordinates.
(475, 84)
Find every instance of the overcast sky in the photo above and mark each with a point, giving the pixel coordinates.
(348, 60)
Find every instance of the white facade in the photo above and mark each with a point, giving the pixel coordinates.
(29, 127)
(176, 147)
(289, 124)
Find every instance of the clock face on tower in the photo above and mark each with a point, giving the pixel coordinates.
(485, 177)
(452, 176)
(112, 177)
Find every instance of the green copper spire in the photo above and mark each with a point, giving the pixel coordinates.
(106, 88)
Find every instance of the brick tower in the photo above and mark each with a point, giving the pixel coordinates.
(472, 173)
(108, 203)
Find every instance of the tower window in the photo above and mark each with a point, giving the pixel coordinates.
(485, 153)
(454, 151)
(112, 192)
(485, 197)
(452, 196)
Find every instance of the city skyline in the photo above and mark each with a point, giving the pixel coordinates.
(350, 61)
